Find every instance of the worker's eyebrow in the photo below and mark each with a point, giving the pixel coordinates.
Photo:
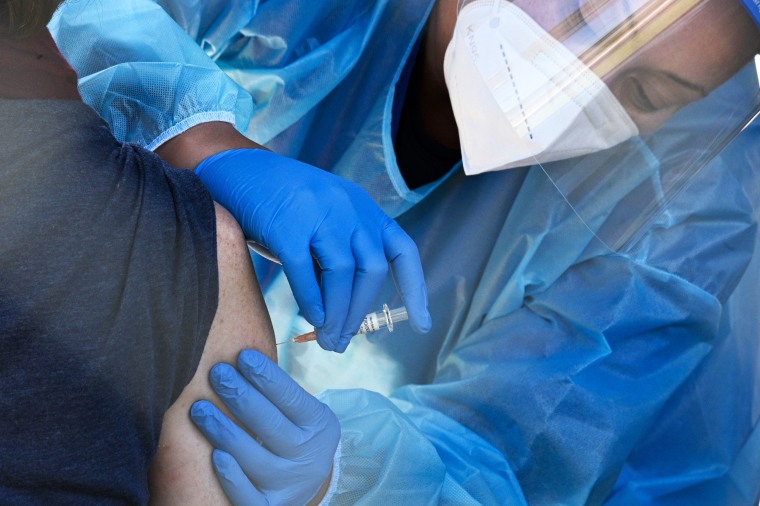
(683, 82)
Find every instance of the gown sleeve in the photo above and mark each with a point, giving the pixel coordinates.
(143, 73)
(558, 384)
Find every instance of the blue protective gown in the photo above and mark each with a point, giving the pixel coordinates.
(598, 345)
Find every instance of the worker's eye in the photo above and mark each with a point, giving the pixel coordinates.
(637, 95)
(649, 91)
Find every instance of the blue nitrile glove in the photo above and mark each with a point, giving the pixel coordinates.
(298, 434)
(298, 211)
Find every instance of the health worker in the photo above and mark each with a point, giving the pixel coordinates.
(334, 242)
(590, 263)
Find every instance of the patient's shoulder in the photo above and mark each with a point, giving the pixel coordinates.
(33, 68)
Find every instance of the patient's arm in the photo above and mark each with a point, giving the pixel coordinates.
(182, 473)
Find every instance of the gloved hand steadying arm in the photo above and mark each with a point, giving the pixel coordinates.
(298, 211)
(298, 434)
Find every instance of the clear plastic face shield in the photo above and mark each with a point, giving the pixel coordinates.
(617, 101)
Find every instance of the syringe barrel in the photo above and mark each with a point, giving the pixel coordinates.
(372, 323)
(379, 319)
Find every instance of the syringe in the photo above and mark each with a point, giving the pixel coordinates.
(372, 323)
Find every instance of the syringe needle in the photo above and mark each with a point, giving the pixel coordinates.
(305, 338)
(372, 323)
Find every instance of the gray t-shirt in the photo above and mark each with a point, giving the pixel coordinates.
(108, 287)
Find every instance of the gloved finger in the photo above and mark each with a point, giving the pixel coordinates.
(404, 258)
(298, 265)
(371, 271)
(294, 402)
(332, 249)
(236, 485)
(223, 434)
(254, 410)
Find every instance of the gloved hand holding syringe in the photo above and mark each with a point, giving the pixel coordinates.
(372, 323)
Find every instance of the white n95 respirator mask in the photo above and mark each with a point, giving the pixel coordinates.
(519, 96)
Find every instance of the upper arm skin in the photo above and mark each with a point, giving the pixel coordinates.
(181, 472)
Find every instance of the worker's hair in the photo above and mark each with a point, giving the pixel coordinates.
(25, 17)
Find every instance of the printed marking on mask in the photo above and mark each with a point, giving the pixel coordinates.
(517, 92)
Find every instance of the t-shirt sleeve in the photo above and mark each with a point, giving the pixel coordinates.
(108, 287)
